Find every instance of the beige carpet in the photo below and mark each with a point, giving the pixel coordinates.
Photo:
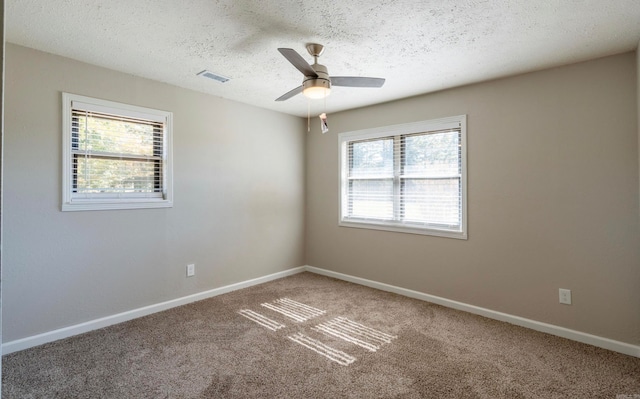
(309, 336)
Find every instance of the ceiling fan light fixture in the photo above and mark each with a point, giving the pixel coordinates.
(316, 89)
(317, 82)
(316, 93)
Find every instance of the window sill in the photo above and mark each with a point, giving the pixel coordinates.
(400, 228)
(105, 205)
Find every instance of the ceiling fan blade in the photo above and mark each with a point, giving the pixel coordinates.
(290, 94)
(296, 59)
(356, 81)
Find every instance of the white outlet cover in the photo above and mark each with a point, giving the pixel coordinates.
(565, 296)
(191, 270)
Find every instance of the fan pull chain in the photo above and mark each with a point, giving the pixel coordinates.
(324, 127)
(308, 115)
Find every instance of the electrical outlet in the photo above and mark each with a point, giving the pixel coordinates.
(191, 270)
(565, 296)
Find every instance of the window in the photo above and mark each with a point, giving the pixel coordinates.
(115, 156)
(408, 178)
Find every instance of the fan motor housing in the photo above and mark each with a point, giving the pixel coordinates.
(316, 82)
(322, 80)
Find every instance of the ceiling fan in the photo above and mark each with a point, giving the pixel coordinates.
(317, 82)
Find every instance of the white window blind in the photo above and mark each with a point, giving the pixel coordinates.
(116, 156)
(407, 178)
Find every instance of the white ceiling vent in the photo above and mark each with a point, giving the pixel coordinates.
(211, 75)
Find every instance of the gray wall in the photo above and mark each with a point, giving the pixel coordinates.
(238, 190)
(552, 200)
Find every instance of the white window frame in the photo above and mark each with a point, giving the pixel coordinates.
(454, 122)
(72, 202)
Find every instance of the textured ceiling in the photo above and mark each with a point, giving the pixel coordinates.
(418, 46)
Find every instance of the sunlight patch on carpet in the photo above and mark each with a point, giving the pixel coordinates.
(355, 333)
(260, 319)
(294, 310)
(339, 327)
(322, 349)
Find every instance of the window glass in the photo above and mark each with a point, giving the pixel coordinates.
(371, 158)
(371, 198)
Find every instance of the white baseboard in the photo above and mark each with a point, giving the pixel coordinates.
(35, 340)
(606, 343)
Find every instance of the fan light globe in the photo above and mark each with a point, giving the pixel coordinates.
(317, 88)
(316, 92)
